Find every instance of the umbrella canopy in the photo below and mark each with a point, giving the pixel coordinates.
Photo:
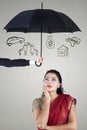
(45, 20)
(41, 20)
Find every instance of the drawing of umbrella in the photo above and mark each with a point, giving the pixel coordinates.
(41, 21)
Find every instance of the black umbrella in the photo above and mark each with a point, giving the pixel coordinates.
(41, 20)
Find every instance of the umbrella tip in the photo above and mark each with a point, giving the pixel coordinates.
(41, 5)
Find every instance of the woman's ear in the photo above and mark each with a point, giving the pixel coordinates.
(60, 84)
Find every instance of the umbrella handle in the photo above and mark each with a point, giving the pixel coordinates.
(38, 65)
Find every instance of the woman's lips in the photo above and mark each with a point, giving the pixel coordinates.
(49, 86)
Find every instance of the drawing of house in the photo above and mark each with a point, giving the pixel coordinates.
(62, 51)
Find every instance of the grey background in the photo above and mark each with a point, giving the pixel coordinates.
(19, 86)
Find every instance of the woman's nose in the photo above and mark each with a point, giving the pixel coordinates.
(49, 81)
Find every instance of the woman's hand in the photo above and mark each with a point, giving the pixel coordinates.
(46, 94)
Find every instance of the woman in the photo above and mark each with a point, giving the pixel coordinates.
(54, 110)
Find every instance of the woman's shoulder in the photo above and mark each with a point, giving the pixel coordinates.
(70, 98)
(38, 100)
(37, 103)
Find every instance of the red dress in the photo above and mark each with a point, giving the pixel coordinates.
(59, 110)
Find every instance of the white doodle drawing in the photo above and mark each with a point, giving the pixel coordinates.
(63, 51)
(14, 40)
(73, 41)
(25, 45)
(24, 49)
(50, 42)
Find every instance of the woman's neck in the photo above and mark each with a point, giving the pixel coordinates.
(53, 96)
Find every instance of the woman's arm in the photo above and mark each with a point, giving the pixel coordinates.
(41, 115)
(71, 125)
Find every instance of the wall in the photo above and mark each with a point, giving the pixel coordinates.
(20, 85)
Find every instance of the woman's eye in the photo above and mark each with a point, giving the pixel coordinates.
(46, 79)
(53, 79)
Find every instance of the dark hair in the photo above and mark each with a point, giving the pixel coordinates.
(59, 90)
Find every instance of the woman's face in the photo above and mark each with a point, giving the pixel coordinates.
(51, 81)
